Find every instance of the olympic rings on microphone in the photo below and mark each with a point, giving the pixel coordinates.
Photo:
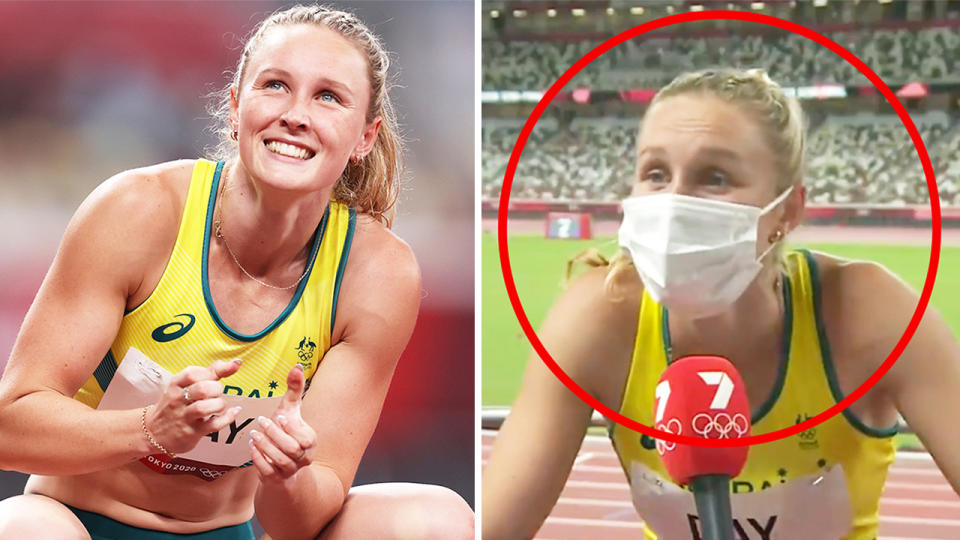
(673, 427)
(720, 426)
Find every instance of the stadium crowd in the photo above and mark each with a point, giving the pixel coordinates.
(856, 158)
(898, 56)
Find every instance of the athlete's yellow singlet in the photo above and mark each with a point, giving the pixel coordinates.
(178, 325)
(824, 483)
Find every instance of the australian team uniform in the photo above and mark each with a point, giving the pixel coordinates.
(178, 325)
(823, 483)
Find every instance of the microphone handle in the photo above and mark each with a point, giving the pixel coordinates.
(712, 495)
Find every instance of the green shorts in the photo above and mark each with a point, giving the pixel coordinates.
(103, 528)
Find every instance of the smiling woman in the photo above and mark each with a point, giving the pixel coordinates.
(240, 328)
(326, 66)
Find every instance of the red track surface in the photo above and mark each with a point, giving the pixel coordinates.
(917, 502)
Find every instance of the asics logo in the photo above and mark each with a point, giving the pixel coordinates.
(172, 331)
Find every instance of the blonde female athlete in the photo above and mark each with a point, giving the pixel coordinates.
(720, 167)
(156, 389)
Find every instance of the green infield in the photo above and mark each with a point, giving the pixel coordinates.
(539, 265)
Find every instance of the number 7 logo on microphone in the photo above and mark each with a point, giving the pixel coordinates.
(701, 395)
(724, 387)
(721, 397)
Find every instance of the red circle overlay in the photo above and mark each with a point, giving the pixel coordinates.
(705, 16)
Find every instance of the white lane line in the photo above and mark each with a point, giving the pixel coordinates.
(920, 521)
(920, 502)
(608, 486)
(594, 522)
(918, 485)
(594, 502)
(914, 456)
(586, 456)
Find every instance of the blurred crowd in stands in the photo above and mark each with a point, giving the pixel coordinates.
(897, 55)
(854, 157)
(851, 159)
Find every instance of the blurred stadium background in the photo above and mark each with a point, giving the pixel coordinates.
(867, 196)
(91, 89)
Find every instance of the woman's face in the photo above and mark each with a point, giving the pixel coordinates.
(702, 146)
(302, 108)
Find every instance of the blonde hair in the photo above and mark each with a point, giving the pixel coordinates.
(779, 115)
(372, 184)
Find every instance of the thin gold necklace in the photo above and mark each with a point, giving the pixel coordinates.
(219, 233)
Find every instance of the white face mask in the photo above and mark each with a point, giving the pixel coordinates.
(696, 256)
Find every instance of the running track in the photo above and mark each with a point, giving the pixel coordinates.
(917, 502)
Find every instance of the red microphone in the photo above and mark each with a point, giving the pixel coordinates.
(704, 396)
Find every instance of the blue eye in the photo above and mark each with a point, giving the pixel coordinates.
(329, 97)
(274, 84)
(717, 178)
(656, 176)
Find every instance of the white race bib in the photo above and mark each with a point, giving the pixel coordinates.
(139, 382)
(803, 508)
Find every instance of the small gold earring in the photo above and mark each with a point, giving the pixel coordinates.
(234, 135)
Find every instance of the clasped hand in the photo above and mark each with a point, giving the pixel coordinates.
(192, 406)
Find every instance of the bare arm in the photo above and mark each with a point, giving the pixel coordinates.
(126, 227)
(586, 334)
(66, 333)
(377, 311)
(924, 383)
(868, 309)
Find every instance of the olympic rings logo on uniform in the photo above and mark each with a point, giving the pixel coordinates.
(207, 473)
(672, 426)
(720, 426)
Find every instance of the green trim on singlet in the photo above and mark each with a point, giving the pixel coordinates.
(771, 400)
(204, 276)
(826, 356)
(351, 226)
(101, 527)
(105, 370)
(611, 424)
(665, 335)
(786, 341)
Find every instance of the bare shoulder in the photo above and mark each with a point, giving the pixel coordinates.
(864, 292)
(129, 223)
(609, 299)
(850, 274)
(377, 252)
(595, 320)
(381, 279)
(143, 199)
(865, 308)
